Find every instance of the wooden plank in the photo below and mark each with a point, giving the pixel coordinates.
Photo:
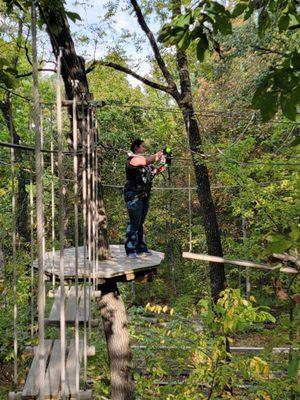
(52, 377)
(31, 388)
(55, 310)
(241, 263)
(71, 305)
(71, 368)
(116, 267)
(81, 305)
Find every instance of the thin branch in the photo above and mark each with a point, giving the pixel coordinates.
(153, 43)
(132, 73)
(40, 70)
(266, 50)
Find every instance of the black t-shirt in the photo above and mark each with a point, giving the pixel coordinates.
(138, 178)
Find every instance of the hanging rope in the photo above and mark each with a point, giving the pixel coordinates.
(84, 230)
(39, 204)
(52, 198)
(89, 215)
(14, 245)
(75, 169)
(190, 210)
(31, 257)
(97, 203)
(62, 217)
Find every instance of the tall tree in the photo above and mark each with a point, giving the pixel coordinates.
(184, 99)
(54, 17)
(22, 175)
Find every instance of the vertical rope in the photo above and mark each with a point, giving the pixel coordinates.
(14, 244)
(39, 203)
(75, 169)
(31, 256)
(84, 220)
(94, 216)
(190, 212)
(89, 216)
(52, 199)
(62, 215)
(96, 203)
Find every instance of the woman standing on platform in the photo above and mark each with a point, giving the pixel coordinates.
(139, 175)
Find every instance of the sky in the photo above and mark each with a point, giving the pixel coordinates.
(108, 34)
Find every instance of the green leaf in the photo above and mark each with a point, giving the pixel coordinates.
(73, 16)
(295, 59)
(278, 246)
(184, 42)
(263, 22)
(293, 367)
(295, 233)
(196, 32)
(202, 46)
(266, 101)
(288, 106)
(249, 11)
(283, 22)
(223, 24)
(239, 9)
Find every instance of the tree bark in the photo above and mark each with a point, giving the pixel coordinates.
(118, 343)
(22, 177)
(212, 233)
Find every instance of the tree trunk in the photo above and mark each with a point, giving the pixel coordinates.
(212, 233)
(213, 239)
(22, 177)
(73, 69)
(118, 344)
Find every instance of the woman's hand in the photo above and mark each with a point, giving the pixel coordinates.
(158, 156)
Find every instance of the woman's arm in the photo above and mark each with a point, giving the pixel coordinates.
(141, 161)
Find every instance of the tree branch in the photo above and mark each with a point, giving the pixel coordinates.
(128, 71)
(40, 70)
(266, 50)
(169, 78)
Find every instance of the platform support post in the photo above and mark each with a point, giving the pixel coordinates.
(115, 326)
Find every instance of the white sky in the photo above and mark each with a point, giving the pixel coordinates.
(92, 14)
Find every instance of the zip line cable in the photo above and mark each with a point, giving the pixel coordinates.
(205, 113)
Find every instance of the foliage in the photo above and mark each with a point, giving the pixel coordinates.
(280, 85)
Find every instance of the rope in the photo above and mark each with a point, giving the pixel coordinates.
(52, 200)
(97, 205)
(84, 220)
(75, 168)
(190, 211)
(31, 256)
(94, 220)
(62, 216)
(89, 215)
(39, 204)
(14, 247)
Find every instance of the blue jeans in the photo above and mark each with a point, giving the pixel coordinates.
(137, 211)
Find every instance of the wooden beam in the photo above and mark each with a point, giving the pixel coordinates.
(240, 263)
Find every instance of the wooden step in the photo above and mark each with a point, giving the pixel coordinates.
(70, 306)
(52, 385)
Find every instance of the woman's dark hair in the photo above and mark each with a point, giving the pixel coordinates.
(136, 143)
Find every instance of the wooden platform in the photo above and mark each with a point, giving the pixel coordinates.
(52, 375)
(118, 266)
(70, 306)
